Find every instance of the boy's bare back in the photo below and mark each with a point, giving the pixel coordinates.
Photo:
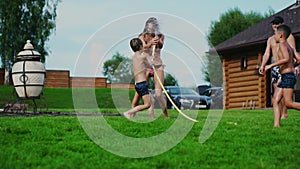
(275, 46)
(286, 52)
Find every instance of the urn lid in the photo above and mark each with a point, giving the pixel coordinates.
(28, 53)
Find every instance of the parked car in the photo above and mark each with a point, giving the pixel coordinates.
(201, 88)
(216, 95)
(186, 98)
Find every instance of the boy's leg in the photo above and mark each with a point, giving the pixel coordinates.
(288, 99)
(131, 113)
(151, 108)
(135, 100)
(282, 106)
(158, 91)
(276, 100)
(283, 110)
(147, 102)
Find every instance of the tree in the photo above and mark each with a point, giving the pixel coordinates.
(118, 69)
(213, 74)
(22, 20)
(231, 23)
(170, 80)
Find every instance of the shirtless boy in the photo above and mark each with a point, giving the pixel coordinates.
(140, 63)
(286, 55)
(272, 47)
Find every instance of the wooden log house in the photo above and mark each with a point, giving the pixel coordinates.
(242, 54)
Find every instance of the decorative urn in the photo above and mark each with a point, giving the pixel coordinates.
(28, 73)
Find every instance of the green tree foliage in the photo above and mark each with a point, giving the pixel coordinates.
(22, 20)
(118, 69)
(170, 80)
(230, 23)
(213, 72)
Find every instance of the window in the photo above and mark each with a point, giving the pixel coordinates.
(243, 62)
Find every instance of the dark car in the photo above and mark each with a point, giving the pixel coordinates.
(201, 88)
(186, 98)
(216, 95)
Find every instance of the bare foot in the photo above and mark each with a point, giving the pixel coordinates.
(151, 115)
(284, 116)
(127, 115)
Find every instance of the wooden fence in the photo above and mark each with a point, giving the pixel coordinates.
(57, 79)
(62, 79)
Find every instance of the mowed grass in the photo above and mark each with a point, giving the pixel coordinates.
(61, 99)
(242, 139)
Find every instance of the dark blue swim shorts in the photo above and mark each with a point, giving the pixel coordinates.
(142, 88)
(288, 80)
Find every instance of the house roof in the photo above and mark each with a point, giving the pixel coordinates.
(260, 32)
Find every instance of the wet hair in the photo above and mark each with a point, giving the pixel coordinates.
(151, 26)
(277, 20)
(136, 44)
(285, 29)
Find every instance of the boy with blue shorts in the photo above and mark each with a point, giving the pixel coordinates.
(140, 63)
(272, 48)
(288, 78)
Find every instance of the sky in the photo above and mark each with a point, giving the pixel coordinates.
(89, 32)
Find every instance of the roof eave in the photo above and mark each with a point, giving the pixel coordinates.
(222, 51)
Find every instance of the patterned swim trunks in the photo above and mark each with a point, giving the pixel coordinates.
(288, 80)
(275, 74)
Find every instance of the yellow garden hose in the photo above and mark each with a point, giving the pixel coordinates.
(162, 86)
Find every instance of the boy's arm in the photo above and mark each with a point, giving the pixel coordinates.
(291, 41)
(145, 45)
(285, 57)
(297, 56)
(266, 56)
(297, 69)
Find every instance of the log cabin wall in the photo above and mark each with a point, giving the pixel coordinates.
(244, 88)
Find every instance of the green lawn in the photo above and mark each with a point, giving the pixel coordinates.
(61, 99)
(242, 139)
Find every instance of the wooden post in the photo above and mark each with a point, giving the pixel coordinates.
(225, 85)
(261, 86)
